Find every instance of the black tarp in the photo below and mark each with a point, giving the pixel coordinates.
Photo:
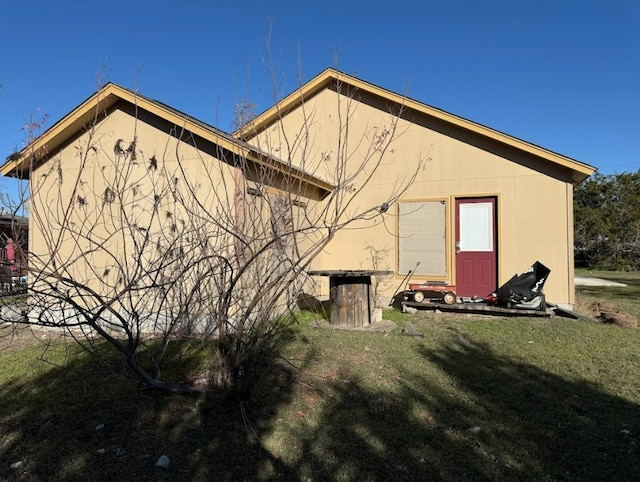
(524, 290)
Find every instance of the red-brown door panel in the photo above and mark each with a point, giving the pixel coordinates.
(476, 246)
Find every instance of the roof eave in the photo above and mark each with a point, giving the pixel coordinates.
(19, 166)
(580, 171)
(272, 114)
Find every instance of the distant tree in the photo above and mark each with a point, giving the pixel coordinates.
(607, 221)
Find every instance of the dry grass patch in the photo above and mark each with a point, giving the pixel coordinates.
(614, 305)
(609, 314)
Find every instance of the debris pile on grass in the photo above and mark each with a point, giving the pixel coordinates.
(607, 313)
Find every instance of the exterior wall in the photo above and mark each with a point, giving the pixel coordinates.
(534, 200)
(76, 229)
(136, 239)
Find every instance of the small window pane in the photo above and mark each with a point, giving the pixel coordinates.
(476, 227)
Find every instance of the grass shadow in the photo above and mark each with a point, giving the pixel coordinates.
(537, 425)
(489, 418)
(452, 410)
(57, 422)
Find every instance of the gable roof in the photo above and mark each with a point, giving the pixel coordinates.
(19, 164)
(579, 171)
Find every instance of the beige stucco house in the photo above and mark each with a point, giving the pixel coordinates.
(80, 152)
(130, 198)
(483, 206)
(471, 206)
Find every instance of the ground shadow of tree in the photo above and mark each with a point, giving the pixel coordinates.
(56, 424)
(532, 426)
(505, 420)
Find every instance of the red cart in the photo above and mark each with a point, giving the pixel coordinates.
(432, 290)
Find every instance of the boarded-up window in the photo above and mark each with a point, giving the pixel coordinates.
(421, 231)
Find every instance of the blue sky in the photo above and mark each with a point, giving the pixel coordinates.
(563, 74)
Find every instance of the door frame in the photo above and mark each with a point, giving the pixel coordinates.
(496, 231)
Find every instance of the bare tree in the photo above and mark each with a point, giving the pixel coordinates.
(140, 240)
(377, 262)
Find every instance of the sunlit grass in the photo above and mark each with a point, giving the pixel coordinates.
(477, 398)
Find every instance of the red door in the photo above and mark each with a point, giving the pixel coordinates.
(476, 260)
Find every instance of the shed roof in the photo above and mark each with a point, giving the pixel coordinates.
(579, 170)
(19, 164)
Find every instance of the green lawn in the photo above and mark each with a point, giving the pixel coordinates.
(478, 398)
